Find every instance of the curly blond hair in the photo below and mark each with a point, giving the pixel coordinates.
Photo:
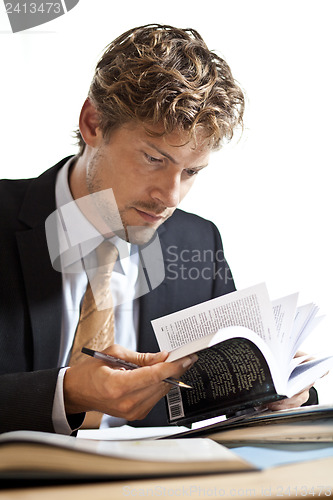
(159, 74)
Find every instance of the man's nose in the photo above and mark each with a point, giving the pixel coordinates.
(167, 190)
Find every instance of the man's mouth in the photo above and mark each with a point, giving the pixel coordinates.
(149, 216)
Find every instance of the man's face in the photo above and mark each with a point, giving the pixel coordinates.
(149, 175)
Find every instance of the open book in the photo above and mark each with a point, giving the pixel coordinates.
(246, 346)
(38, 455)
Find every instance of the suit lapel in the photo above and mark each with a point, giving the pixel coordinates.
(42, 283)
(43, 289)
(158, 300)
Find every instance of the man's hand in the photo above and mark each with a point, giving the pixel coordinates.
(129, 394)
(293, 402)
(297, 400)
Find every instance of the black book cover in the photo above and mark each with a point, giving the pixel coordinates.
(227, 377)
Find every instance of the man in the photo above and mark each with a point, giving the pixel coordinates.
(159, 103)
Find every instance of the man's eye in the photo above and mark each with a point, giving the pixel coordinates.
(191, 172)
(152, 159)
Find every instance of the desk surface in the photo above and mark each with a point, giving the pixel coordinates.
(303, 480)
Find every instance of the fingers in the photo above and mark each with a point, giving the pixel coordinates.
(148, 358)
(139, 403)
(141, 389)
(306, 356)
(293, 402)
(154, 374)
(138, 358)
(165, 370)
(129, 394)
(299, 354)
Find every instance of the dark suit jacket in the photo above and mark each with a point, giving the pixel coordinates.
(31, 301)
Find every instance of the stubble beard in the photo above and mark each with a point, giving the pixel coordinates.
(115, 219)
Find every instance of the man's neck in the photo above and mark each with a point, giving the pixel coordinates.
(78, 187)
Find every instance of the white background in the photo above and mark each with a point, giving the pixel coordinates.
(269, 193)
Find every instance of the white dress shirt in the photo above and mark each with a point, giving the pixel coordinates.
(123, 284)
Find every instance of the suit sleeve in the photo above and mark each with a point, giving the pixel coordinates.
(27, 402)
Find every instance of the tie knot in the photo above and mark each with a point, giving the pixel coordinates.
(107, 254)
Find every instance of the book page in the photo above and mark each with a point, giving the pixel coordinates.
(305, 321)
(293, 325)
(307, 373)
(128, 433)
(180, 450)
(284, 310)
(250, 308)
(200, 450)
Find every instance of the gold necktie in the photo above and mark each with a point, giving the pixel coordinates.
(95, 328)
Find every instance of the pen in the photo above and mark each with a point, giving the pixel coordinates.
(111, 360)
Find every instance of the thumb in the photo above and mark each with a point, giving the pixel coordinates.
(150, 358)
(138, 358)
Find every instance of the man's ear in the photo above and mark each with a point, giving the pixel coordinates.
(89, 124)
